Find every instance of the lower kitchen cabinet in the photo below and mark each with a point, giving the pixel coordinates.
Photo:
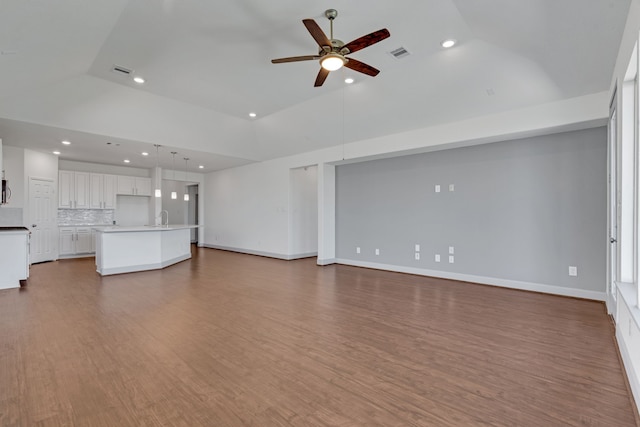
(76, 241)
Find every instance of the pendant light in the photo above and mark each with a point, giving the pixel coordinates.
(174, 195)
(158, 192)
(186, 174)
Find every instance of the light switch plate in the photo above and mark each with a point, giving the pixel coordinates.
(450, 259)
(573, 271)
(358, 250)
(451, 250)
(437, 188)
(417, 256)
(452, 187)
(377, 251)
(437, 257)
(417, 248)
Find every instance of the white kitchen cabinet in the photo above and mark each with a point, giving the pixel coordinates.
(143, 186)
(76, 241)
(134, 186)
(102, 191)
(74, 190)
(109, 197)
(84, 241)
(67, 241)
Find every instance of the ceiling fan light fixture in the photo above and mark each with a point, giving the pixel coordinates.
(332, 61)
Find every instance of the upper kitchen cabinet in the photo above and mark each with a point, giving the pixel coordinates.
(103, 191)
(134, 186)
(73, 190)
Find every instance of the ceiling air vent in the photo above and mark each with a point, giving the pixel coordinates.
(121, 70)
(400, 52)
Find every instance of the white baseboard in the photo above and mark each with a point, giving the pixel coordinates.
(326, 261)
(262, 253)
(493, 281)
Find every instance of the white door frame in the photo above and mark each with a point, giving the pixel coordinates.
(612, 201)
(41, 251)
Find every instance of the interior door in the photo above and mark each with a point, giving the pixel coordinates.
(42, 214)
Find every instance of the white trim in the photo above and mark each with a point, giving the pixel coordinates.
(627, 362)
(261, 253)
(72, 256)
(142, 267)
(326, 261)
(628, 292)
(493, 281)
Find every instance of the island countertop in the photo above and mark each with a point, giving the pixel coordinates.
(138, 228)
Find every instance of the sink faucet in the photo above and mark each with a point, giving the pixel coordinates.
(167, 212)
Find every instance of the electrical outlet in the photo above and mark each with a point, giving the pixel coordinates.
(437, 257)
(417, 248)
(451, 250)
(377, 251)
(358, 249)
(437, 188)
(452, 187)
(417, 256)
(450, 259)
(573, 271)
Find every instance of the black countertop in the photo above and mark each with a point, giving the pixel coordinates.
(13, 229)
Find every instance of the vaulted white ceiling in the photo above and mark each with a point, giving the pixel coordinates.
(207, 65)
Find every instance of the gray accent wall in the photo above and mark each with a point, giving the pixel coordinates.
(522, 210)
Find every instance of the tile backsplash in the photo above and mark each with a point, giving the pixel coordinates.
(85, 216)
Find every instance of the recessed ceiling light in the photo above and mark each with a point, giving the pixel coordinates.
(252, 114)
(144, 153)
(349, 80)
(127, 161)
(138, 80)
(65, 142)
(448, 43)
(201, 167)
(57, 153)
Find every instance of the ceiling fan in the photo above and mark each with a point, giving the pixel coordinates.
(332, 52)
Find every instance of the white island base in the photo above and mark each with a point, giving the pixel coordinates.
(129, 249)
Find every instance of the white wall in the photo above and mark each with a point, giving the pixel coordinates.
(303, 233)
(189, 179)
(14, 173)
(38, 165)
(247, 207)
(132, 210)
(11, 213)
(177, 208)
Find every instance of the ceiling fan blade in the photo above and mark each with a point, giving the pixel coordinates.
(368, 40)
(361, 67)
(316, 32)
(322, 76)
(295, 59)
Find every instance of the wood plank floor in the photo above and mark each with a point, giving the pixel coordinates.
(227, 339)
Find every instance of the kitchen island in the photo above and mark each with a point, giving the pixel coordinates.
(14, 256)
(140, 248)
